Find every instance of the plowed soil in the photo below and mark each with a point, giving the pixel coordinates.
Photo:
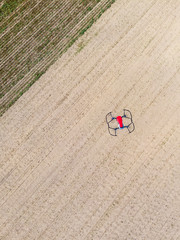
(62, 176)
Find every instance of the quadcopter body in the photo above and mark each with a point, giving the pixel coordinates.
(120, 122)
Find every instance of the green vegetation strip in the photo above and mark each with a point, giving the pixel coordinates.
(8, 7)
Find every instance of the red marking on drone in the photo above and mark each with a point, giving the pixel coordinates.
(129, 122)
(119, 120)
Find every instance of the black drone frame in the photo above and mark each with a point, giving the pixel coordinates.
(127, 114)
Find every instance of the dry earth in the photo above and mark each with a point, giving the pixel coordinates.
(62, 175)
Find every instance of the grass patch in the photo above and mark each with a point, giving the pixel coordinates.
(87, 27)
(3, 29)
(19, 94)
(36, 77)
(81, 45)
(8, 7)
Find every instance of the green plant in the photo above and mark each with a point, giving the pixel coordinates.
(8, 7)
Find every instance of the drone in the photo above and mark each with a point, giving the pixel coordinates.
(120, 122)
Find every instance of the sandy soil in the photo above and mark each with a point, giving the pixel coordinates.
(62, 176)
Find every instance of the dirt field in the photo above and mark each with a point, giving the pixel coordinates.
(62, 175)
